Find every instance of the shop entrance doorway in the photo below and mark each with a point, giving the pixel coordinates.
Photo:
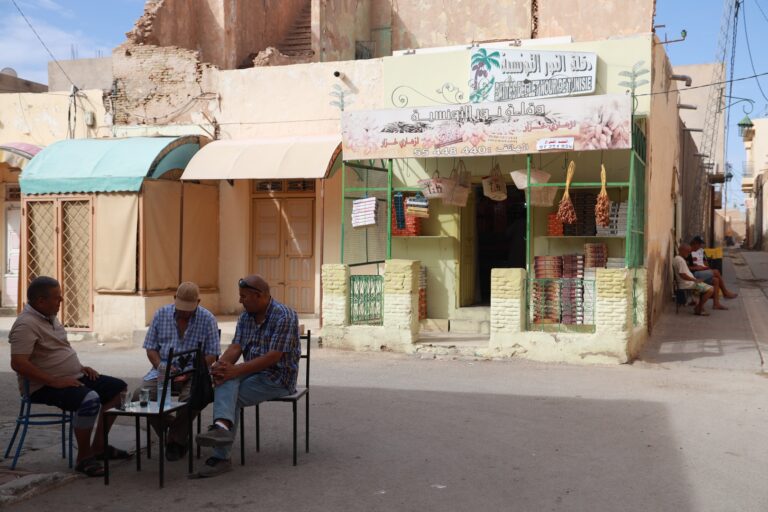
(493, 236)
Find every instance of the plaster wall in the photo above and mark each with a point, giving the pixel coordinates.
(86, 73)
(405, 24)
(693, 207)
(663, 155)
(41, 119)
(588, 20)
(429, 23)
(701, 74)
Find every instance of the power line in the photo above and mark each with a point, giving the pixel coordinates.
(761, 10)
(707, 85)
(42, 42)
(749, 51)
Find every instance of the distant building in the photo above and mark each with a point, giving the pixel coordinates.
(9, 82)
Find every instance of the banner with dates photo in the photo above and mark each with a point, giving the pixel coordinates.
(507, 128)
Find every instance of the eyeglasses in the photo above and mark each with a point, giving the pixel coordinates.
(242, 283)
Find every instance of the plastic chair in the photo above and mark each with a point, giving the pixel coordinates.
(293, 399)
(26, 418)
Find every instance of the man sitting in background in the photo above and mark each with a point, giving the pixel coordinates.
(697, 263)
(686, 281)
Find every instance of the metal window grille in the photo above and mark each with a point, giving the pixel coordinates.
(41, 239)
(562, 305)
(76, 263)
(366, 300)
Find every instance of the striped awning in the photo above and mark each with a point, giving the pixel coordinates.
(17, 154)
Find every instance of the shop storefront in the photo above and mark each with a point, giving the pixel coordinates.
(473, 192)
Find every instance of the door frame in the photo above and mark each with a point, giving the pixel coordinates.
(253, 194)
(57, 201)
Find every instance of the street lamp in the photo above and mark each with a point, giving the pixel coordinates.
(745, 125)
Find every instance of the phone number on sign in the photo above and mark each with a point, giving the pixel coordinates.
(479, 150)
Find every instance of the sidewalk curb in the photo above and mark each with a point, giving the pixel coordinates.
(31, 485)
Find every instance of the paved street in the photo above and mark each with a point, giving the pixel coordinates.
(683, 429)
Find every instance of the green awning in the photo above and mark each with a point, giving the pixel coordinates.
(105, 165)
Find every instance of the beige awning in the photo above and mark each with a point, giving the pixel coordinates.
(267, 158)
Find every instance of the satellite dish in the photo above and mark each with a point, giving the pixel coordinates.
(9, 71)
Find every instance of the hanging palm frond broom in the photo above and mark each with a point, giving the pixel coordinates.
(565, 212)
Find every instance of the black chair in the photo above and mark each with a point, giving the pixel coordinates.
(293, 399)
(159, 410)
(27, 418)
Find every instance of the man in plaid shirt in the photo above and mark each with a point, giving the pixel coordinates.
(183, 325)
(267, 336)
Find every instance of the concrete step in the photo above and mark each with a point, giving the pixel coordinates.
(476, 313)
(470, 326)
(8, 311)
(440, 345)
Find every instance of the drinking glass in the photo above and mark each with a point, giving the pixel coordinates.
(144, 397)
(126, 399)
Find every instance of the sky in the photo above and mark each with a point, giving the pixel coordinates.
(91, 28)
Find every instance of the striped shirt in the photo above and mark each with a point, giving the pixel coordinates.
(202, 331)
(279, 331)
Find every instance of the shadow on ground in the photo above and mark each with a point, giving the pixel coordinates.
(374, 449)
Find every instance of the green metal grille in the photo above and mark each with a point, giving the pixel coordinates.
(562, 305)
(636, 230)
(366, 299)
(365, 245)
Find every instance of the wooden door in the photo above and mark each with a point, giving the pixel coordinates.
(282, 249)
(268, 253)
(298, 237)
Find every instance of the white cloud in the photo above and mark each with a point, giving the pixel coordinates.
(20, 49)
(30, 6)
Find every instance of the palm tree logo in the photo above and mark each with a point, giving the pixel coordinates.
(482, 64)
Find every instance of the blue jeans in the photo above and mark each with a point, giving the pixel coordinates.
(233, 394)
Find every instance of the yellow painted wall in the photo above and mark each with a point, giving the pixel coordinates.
(41, 119)
(663, 157)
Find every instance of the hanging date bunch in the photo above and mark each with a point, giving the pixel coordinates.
(566, 212)
(603, 206)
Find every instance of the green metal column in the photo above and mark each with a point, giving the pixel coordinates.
(528, 216)
(343, 200)
(389, 209)
(629, 238)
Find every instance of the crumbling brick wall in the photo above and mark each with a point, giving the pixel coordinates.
(160, 85)
(224, 33)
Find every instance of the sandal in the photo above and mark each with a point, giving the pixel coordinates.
(90, 467)
(701, 313)
(114, 454)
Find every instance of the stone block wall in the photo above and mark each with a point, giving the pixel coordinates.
(508, 305)
(335, 283)
(400, 325)
(613, 311)
(401, 301)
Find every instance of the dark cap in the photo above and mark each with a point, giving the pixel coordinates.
(697, 240)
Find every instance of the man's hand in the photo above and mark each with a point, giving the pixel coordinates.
(223, 371)
(65, 382)
(90, 372)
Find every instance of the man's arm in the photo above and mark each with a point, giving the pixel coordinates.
(225, 369)
(21, 364)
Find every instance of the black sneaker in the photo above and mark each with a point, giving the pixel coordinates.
(213, 467)
(216, 436)
(175, 451)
